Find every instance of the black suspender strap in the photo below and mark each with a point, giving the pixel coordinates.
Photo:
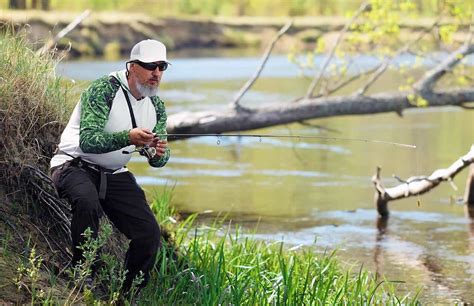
(132, 116)
(130, 109)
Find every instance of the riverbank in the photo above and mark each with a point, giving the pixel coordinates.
(112, 35)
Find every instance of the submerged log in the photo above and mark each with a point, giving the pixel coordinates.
(420, 184)
(469, 193)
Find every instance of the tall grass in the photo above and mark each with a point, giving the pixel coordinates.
(222, 265)
(32, 111)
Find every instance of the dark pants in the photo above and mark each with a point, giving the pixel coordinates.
(124, 204)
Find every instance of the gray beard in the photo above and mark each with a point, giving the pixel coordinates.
(147, 91)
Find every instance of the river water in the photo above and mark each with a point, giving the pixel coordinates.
(319, 194)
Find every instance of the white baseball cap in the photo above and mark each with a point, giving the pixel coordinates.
(148, 51)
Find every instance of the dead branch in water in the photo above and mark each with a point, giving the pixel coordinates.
(415, 186)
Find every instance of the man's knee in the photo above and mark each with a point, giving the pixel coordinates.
(155, 235)
(151, 239)
(84, 204)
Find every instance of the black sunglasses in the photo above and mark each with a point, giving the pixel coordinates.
(162, 66)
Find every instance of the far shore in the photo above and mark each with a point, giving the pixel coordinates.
(110, 35)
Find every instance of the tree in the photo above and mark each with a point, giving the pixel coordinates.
(374, 29)
(35, 4)
(17, 4)
(45, 5)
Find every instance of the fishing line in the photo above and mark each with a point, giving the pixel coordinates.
(260, 136)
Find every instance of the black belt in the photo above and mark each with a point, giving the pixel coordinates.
(79, 162)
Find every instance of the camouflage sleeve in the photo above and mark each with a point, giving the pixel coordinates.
(95, 101)
(160, 128)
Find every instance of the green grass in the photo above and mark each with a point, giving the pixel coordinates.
(222, 265)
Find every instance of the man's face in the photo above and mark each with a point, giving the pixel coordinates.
(147, 79)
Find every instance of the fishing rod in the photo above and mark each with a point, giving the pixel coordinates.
(150, 152)
(177, 136)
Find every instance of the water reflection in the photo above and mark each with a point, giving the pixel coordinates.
(469, 210)
(433, 268)
(381, 224)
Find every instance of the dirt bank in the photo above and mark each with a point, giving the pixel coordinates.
(112, 35)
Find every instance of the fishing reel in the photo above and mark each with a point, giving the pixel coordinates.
(147, 151)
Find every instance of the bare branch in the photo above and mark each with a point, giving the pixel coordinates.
(418, 185)
(353, 78)
(235, 104)
(326, 91)
(386, 62)
(50, 43)
(425, 86)
(309, 94)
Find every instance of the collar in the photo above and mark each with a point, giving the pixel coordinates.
(122, 77)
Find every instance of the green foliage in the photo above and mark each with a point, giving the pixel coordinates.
(233, 37)
(235, 7)
(379, 26)
(112, 51)
(299, 7)
(29, 276)
(417, 100)
(83, 286)
(459, 11)
(379, 32)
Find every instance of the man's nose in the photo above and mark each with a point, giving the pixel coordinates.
(157, 71)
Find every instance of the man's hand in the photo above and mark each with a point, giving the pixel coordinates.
(159, 145)
(140, 137)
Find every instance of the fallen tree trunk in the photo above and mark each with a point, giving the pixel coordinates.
(233, 120)
(418, 185)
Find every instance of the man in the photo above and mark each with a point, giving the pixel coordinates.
(116, 115)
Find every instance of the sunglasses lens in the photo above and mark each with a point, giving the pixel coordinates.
(162, 66)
